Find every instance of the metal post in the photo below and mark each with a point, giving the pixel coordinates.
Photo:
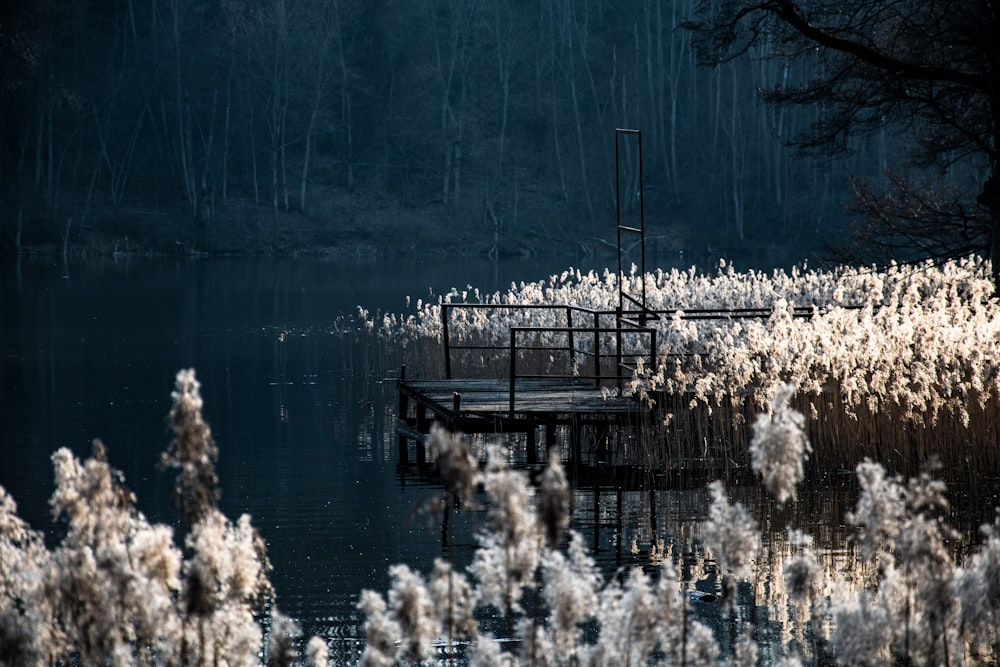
(642, 237)
(513, 367)
(576, 440)
(447, 345)
(641, 230)
(403, 414)
(572, 347)
(597, 349)
(652, 351)
(618, 217)
(423, 426)
(618, 347)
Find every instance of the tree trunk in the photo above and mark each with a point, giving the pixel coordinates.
(451, 56)
(563, 194)
(183, 122)
(39, 142)
(278, 103)
(990, 197)
(284, 141)
(345, 97)
(317, 102)
(225, 129)
(736, 159)
(50, 186)
(676, 48)
(581, 144)
(504, 55)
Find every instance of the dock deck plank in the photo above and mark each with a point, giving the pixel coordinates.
(533, 397)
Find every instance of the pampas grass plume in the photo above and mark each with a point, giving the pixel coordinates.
(780, 446)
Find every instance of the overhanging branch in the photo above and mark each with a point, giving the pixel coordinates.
(789, 12)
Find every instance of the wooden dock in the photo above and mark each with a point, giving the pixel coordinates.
(568, 366)
(568, 374)
(484, 406)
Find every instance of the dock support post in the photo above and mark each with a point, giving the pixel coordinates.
(575, 437)
(423, 426)
(531, 445)
(652, 509)
(597, 523)
(404, 410)
(619, 528)
(550, 439)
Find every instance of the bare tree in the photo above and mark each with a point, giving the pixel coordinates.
(925, 67)
(451, 31)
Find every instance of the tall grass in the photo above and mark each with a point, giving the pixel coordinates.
(911, 373)
(118, 590)
(901, 593)
(897, 364)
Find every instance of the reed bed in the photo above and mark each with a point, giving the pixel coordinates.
(896, 364)
(893, 583)
(118, 590)
(903, 589)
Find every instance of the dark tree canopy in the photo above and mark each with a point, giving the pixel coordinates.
(928, 71)
(278, 125)
(287, 125)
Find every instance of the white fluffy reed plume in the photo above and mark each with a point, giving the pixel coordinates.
(780, 446)
(192, 451)
(455, 461)
(117, 590)
(731, 533)
(918, 608)
(548, 597)
(801, 572)
(977, 586)
(508, 555)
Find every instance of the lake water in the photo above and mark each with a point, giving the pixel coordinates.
(302, 418)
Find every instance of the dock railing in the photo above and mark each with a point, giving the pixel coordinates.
(582, 320)
(586, 341)
(498, 348)
(603, 347)
(626, 362)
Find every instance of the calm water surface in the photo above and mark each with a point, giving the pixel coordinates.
(301, 416)
(90, 350)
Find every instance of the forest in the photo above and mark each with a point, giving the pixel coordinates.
(297, 125)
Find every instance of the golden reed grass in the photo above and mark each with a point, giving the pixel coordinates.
(897, 365)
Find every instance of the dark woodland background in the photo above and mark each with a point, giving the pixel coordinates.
(480, 126)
